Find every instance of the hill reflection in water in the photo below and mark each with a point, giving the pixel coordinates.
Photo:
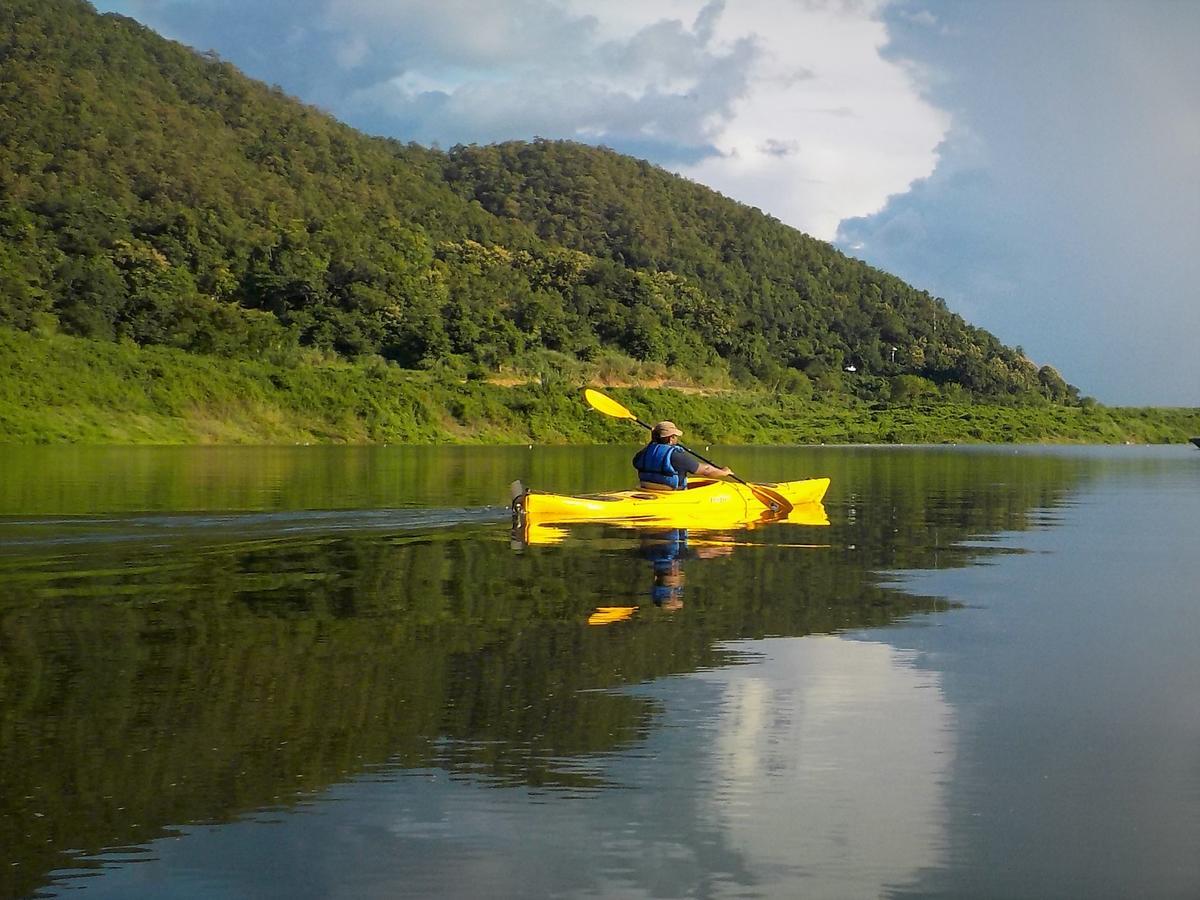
(149, 685)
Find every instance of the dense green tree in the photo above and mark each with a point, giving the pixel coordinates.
(155, 194)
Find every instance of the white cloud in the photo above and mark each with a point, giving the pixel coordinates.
(858, 125)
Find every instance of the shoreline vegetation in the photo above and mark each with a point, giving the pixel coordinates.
(59, 389)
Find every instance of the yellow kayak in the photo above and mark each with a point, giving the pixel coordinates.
(704, 504)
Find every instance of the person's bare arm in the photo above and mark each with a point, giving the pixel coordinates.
(707, 471)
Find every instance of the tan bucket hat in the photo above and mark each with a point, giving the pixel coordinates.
(666, 429)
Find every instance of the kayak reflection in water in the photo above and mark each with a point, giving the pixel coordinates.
(666, 549)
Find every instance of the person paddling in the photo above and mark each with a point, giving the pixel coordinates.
(663, 465)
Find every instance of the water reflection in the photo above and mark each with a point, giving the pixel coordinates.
(667, 546)
(665, 549)
(830, 761)
(151, 684)
(145, 688)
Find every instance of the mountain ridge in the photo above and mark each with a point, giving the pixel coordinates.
(156, 195)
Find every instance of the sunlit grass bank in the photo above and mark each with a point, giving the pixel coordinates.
(57, 389)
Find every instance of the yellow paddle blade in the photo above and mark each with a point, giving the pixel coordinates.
(606, 405)
(606, 615)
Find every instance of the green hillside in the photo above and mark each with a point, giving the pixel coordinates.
(765, 296)
(152, 194)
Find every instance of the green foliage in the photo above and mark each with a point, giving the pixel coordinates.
(758, 294)
(910, 388)
(156, 195)
(66, 389)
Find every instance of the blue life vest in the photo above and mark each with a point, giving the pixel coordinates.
(664, 547)
(653, 463)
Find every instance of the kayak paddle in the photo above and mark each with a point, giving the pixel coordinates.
(772, 500)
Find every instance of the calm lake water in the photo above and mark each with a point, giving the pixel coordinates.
(331, 672)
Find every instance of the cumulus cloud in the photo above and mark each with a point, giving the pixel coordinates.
(881, 137)
(789, 107)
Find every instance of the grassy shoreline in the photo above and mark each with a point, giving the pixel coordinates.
(59, 389)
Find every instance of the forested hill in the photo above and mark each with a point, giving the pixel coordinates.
(154, 194)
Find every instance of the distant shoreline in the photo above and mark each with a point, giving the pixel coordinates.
(65, 390)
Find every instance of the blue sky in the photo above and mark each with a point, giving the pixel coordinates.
(1034, 162)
